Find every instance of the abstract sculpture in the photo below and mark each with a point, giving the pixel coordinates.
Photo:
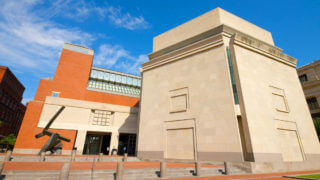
(54, 142)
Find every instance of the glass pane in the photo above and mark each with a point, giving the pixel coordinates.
(118, 78)
(112, 77)
(94, 144)
(106, 76)
(135, 82)
(100, 75)
(124, 79)
(94, 74)
(129, 80)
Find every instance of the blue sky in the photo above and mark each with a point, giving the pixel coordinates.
(32, 32)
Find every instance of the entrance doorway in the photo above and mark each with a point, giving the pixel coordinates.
(97, 143)
(127, 144)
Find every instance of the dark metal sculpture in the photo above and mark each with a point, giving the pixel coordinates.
(54, 142)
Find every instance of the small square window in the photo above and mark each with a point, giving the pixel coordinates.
(303, 78)
(55, 94)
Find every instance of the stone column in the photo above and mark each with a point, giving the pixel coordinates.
(163, 166)
(114, 142)
(80, 141)
(125, 157)
(197, 168)
(100, 157)
(8, 155)
(42, 156)
(1, 166)
(226, 169)
(73, 154)
(119, 173)
(64, 172)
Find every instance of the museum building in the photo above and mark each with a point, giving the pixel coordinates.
(224, 92)
(215, 88)
(101, 107)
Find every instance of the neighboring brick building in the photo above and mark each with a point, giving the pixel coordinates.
(11, 108)
(101, 107)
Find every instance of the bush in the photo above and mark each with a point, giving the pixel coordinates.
(9, 140)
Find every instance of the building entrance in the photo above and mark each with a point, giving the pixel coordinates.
(97, 143)
(127, 144)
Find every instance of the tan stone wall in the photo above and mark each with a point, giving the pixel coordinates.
(202, 81)
(271, 99)
(187, 88)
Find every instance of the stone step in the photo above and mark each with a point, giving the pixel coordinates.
(129, 174)
(67, 158)
(109, 174)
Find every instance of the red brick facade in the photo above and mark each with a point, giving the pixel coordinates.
(70, 80)
(11, 108)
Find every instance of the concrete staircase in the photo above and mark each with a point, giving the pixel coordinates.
(67, 158)
(136, 170)
(129, 174)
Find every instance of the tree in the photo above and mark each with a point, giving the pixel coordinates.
(9, 140)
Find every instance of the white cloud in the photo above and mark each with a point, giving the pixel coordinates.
(117, 58)
(25, 100)
(80, 10)
(126, 20)
(29, 40)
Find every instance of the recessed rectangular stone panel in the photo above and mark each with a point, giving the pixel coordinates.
(178, 100)
(290, 145)
(179, 103)
(279, 102)
(180, 143)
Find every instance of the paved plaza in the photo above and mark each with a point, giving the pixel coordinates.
(29, 167)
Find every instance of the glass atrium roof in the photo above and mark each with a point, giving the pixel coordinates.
(114, 82)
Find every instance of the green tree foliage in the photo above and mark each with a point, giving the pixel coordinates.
(9, 140)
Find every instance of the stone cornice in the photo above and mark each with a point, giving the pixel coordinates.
(309, 66)
(310, 84)
(175, 55)
(214, 38)
(263, 48)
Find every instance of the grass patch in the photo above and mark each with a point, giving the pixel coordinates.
(313, 176)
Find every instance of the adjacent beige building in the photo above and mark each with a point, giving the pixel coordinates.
(310, 81)
(216, 88)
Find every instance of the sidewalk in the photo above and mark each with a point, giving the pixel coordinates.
(89, 165)
(273, 176)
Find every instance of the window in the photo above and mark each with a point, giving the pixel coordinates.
(135, 82)
(233, 81)
(101, 118)
(312, 103)
(303, 78)
(8, 101)
(4, 98)
(55, 94)
(94, 74)
(106, 76)
(118, 78)
(112, 77)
